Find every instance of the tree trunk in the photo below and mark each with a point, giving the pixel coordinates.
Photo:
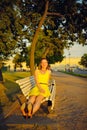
(35, 39)
(1, 76)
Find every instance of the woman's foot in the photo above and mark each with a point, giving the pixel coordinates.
(30, 109)
(22, 110)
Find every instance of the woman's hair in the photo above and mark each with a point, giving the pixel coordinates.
(40, 63)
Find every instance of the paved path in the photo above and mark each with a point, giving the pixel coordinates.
(70, 111)
(71, 102)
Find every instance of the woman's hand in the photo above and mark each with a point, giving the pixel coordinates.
(42, 90)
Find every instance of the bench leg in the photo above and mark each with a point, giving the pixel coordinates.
(52, 107)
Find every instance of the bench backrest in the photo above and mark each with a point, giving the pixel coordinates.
(26, 84)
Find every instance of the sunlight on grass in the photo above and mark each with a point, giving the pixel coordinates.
(72, 73)
(11, 88)
(12, 76)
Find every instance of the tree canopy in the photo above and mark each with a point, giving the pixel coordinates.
(83, 60)
(50, 25)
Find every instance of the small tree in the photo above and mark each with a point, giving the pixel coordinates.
(18, 59)
(83, 60)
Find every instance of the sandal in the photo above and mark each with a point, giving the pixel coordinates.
(30, 109)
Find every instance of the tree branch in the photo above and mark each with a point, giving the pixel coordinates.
(55, 14)
(46, 52)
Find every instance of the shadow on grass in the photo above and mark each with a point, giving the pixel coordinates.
(11, 89)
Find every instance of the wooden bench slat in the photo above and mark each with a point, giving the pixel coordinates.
(26, 85)
(31, 78)
(25, 81)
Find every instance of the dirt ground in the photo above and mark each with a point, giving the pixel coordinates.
(70, 112)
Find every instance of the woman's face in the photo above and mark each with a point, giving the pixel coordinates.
(44, 63)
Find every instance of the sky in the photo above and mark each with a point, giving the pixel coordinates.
(76, 51)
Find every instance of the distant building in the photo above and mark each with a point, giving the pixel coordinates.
(67, 63)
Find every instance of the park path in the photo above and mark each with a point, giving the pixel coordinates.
(70, 112)
(71, 102)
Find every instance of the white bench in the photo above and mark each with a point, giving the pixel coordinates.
(26, 84)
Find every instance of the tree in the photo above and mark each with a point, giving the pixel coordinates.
(70, 26)
(83, 60)
(12, 29)
(65, 19)
(7, 30)
(18, 59)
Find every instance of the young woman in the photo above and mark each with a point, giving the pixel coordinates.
(41, 90)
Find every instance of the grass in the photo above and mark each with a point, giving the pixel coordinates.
(72, 73)
(9, 89)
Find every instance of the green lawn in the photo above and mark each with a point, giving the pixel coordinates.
(72, 73)
(10, 88)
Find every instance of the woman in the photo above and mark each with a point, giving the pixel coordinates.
(41, 90)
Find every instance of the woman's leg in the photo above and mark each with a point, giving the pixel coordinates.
(30, 105)
(31, 100)
(37, 103)
(22, 109)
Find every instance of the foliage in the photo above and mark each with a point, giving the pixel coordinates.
(12, 29)
(65, 21)
(49, 47)
(83, 60)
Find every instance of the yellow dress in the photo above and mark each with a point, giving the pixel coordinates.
(43, 80)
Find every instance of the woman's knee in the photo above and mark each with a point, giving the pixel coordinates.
(32, 99)
(39, 99)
